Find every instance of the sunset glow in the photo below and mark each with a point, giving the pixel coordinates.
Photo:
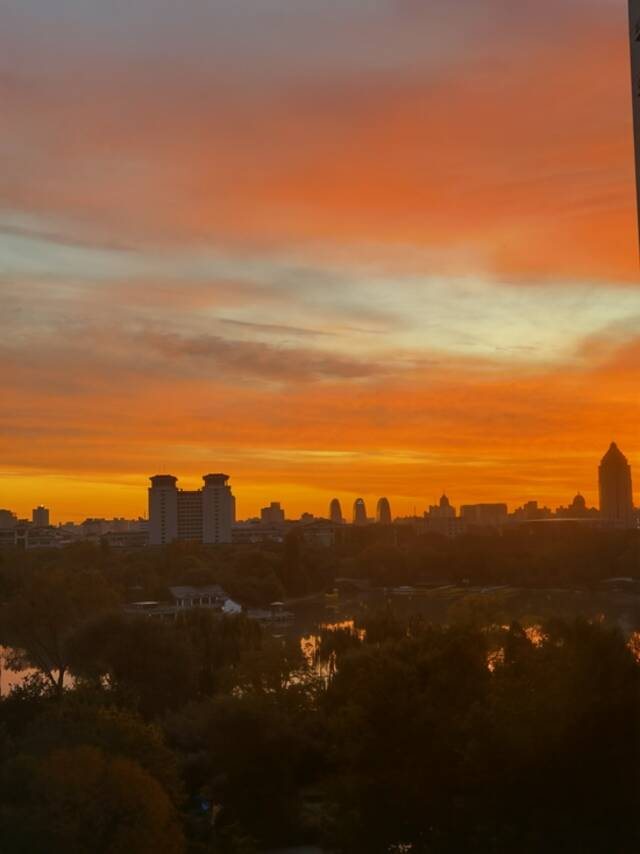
(353, 248)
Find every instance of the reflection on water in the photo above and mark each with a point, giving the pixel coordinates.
(535, 635)
(320, 648)
(495, 658)
(344, 626)
(634, 645)
(325, 629)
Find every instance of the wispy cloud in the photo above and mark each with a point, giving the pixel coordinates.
(380, 231)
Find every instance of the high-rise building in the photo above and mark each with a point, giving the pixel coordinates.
(189, 507)
(485, 515)
(634, 26)
(203, 515)
(383, 512)
(616, 494)
(218, 509)
(8, 520)
(163, 509)
(359, 512)
(335, 512)
(441, 519)
(273, 514)
(40, 517)
(443, 509)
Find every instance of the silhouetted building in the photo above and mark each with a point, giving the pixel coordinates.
(8, 519)
(205, 515)
(40, 516)
(335, 512)
(319, 532)
(163, 509)
(190, 519)
(578, 506)
(383, 512)
(442, 510)
(256, 531)
(577, 510)
(616, 495)
(485, 515)
(441, 519)
(218, 509)
(359, 512)
(273, 514)
(531, 512)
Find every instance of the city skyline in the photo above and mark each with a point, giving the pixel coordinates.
(393, 257)
(340, 505)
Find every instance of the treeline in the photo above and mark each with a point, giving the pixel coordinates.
(206, 734)
(527, 556)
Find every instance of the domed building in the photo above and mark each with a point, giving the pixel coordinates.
(383, 512)
(578, 507)
(616, 494)
(443, 510)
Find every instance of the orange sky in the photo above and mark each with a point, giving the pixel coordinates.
(355, 248)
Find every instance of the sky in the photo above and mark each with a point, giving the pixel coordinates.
(336, 248)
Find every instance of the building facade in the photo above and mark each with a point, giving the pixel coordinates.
(203, 515)
(273, 514)
(616, 493)
(485, 515)
(40, 516)
(359, 512)
(441, 518)
(383, 512)
(335, 512)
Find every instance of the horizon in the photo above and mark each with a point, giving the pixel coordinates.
(248, 510)
(337, 249)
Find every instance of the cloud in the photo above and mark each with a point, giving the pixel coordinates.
(486, 435)
(252, 359)
(273, 328)
(359, 243)
(500, 159)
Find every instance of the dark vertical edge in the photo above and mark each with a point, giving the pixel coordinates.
(634, 52)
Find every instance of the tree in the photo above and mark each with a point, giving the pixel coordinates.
(119, 732)
(81, 799)
(144, 660)
(39, 621)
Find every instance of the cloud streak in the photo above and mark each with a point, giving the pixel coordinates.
(373, 245)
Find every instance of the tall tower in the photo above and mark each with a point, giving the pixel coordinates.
(218, 509)
(383, 512)
(163, 509)
(40, 517)
(634, 28)
(359, 512)
(616, 495)
(335, 512)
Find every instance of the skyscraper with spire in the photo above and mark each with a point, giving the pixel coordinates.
(616, 493)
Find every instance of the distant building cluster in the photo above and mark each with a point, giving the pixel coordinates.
(38, 532)
(208, 515)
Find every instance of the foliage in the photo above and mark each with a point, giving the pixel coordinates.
(81, 799)
(394, 734)
(38, 622)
